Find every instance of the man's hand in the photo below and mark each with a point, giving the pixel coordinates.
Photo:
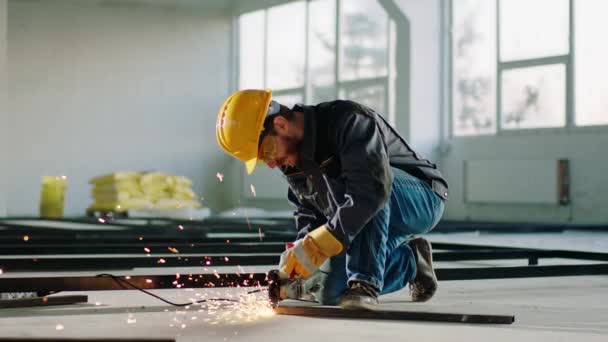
(307, 254)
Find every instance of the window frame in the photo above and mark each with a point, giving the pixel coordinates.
(386, 81)
(568, 60)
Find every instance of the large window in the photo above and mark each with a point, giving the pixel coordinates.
(512, 62)
(319, 50)
(591, 26)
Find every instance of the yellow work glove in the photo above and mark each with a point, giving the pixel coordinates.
(307, 254)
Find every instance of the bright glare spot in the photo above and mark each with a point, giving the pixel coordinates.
(131, 319)
(149, 281)
(26, 238)
(59, 327)
(220, 176)
(101, 220)
(146, 249)
(253, 190)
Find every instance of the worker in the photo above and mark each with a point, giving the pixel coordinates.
(360, 192)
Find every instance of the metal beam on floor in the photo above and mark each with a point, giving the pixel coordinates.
(42, 301)
(333, 312)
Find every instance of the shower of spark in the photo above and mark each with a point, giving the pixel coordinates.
(173, 250)
(1, 271)
(180, 227)
(260, 232)
(245, 308)
(26, 238)
(146, 249)
(219, 176)
(101, 220)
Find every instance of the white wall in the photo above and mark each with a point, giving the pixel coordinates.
(425, 75)
(102, 86)
(3, 114)
(588, 168)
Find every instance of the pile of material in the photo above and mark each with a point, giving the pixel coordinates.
(122, 191)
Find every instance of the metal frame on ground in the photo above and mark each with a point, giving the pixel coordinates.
(212, 243)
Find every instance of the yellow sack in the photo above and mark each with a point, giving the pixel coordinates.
(111, 196)
(181, 181)
(154, 178)
(183, 193)
(116, 177)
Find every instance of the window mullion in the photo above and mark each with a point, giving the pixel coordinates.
(265, 73)
(307, 90)
(498, 73)
(570, 70)
(337, 50)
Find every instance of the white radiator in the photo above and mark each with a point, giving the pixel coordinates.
(517, 181)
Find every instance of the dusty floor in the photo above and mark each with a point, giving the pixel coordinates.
(547, 309)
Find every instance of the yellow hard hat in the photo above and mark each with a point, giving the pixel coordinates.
(240, 122)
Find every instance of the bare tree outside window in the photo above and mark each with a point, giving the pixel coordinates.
(364, 41)
(534, 97)
(474, 67)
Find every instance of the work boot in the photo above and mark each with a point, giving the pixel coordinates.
(424, 285)
(360, 296)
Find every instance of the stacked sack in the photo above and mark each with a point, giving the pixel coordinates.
(168, 191)
(121, 191)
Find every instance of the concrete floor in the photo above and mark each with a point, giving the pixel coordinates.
(546, 309)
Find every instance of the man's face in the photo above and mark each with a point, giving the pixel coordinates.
(281, 149)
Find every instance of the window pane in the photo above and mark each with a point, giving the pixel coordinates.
(322, 50)
(533, 28)
(591, 62)
(534, 97)
(371, 96)
(251, 51)
(288, 100)
(474, 67)
(286, 45)
(363, 34)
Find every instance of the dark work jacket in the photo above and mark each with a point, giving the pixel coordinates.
(343, 176)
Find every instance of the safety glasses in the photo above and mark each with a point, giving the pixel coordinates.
(267, 152)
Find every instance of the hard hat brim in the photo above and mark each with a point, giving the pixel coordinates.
(250, 165)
